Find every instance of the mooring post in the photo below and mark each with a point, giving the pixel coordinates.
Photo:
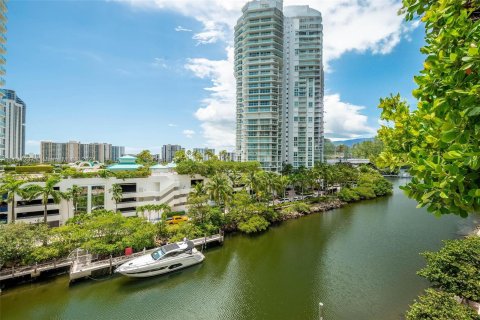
(320, 311)
(110, 264)
(36, 264)
(13, 271)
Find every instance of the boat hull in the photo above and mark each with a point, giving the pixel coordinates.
(164, 267)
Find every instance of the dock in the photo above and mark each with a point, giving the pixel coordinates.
(82, 266)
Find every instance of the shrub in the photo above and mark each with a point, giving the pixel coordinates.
(255, 223)
(365, 192)
(439, 305)
(348, 195)
(301, 207)
(455, 267)
(34, 169)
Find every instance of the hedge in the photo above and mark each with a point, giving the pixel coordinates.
(34, 169)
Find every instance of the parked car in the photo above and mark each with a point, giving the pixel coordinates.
(176, 219)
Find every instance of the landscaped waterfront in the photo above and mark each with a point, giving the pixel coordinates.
(359, 260)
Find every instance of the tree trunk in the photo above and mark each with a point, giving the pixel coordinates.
(45, 213)
(13, 209)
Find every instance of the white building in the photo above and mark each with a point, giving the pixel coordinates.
(259, 75)
(15, 114)
(279, 75)
(303, 87)
(204, 152)
(163, 186)
(3, 51)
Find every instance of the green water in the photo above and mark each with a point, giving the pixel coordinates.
(360, 261)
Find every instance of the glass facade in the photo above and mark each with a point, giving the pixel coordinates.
(3, 50)
(303, 117)
(259, 77)
(279, 76)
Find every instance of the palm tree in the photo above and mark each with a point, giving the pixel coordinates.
(34, 191)
(117, 194)
(250, 181)
(198, 190)
(73, 194)
(163, 209)
(11, 187)
(282, 185)
(235, 177)
(219, 189)
(222, 155)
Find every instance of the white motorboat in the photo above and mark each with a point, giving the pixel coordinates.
(165, 259)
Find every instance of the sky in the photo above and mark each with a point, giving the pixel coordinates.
(146, 73)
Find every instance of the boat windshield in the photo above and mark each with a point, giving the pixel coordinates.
(157, 254)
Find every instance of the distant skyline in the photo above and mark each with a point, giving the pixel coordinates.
(147, 73)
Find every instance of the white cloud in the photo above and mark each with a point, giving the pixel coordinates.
(349, 26)
(188, 133)
(172, 125)
(160, 63)
(182, 29)
(344, 120)
(217, 113)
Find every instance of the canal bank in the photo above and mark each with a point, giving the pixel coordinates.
(359, 260)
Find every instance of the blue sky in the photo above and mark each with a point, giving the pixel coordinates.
(136, 74)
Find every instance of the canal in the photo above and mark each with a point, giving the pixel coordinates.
(360, 261)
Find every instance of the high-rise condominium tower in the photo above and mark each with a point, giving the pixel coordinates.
(258, 71)
(15, 113)
(279, 73)
(303, 87)
(3, 50)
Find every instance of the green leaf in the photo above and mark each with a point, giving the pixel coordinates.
(449, 136)
(452, 155)
(453, 57)
(472, 51)
(474, 112)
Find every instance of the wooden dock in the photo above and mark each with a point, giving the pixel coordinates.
(82, 266)
(33, 271)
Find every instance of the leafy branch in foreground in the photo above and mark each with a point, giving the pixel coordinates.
(439, 140)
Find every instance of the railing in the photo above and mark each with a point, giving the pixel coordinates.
(9, 273)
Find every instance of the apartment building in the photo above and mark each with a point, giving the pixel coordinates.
(73, 151)
(15, 115)
(3, 51)
(280, 85)
(168, 152)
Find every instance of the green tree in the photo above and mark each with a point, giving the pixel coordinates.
(145, 158)
(180, 156)
(11, 187)
(328, 148)
(17, 242)
(287, 169)
(455, 268)
(74, 193)
(369, 149)
(219, 189)
(439, 305)
(46, 192)
(117, 194)
(439, 139)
